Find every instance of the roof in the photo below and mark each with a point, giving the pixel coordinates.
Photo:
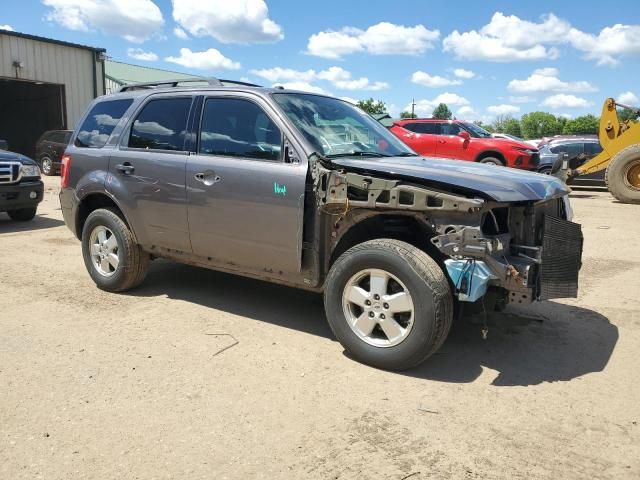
(125, 73)
(28, 36)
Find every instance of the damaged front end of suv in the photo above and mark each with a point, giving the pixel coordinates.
(517, 243)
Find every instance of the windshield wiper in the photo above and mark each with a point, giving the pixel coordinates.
(357, 154)
(407, 154)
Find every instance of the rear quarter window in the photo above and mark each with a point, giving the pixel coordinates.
(102, 119)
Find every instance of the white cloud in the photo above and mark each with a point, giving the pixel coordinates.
(562, 100)
(349, 99)
(503, 109)
(466, 111)
(139, 54)
(303, 86)
(424, 108)
(462, 73)
(435, 81)
(546, 80)
(6, 27)
(521, 99)
(381, 39)
(210, 59)
(508, 38)
(180, 33)
(609, 44)
(628, 98)
(337, 76)
(237, 21)
(568, 116)
(134, 20)
(278, 74)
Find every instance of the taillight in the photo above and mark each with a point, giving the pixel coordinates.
(65, 166)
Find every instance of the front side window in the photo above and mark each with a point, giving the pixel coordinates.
(336, 128)
(161, 125)
(592, 148)
(102, 119)
(449, 129)
(573, 149)
(235, 127)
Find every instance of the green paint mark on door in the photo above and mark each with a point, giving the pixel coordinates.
(279, 189)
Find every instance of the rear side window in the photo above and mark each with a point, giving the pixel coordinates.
(67, 137)
(56, 137)
(238, 128)
(102, 119)
(161, 125)
(431, 128)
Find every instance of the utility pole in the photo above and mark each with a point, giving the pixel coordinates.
(413, 108)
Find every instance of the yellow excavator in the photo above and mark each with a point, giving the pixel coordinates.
(620, 156)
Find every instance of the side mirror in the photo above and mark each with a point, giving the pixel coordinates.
(464, 135)
(290, 155)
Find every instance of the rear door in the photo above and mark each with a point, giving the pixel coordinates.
(245, 202)
(147, 172)
(449, 144)
(423, 138)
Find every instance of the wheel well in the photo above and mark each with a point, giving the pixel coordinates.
(398, 227)
(491, 153)
(89, 204)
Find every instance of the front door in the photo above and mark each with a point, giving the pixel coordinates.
(450, 145)
(245, 202)
(147, 173)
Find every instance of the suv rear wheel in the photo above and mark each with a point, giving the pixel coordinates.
(46, 165)
(388, 303)
(114, 261)
(492, 161)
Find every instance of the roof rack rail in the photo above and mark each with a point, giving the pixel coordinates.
(214, 82)
(236, 82)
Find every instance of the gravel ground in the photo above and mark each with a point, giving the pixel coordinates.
(201, 375)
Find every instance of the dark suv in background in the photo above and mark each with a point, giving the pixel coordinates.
(578, 151)
(50, 148)
(311, 192)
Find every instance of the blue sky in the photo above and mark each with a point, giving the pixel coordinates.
(482, 58)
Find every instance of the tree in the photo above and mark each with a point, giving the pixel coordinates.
(538, 125)
(499, 122)
(406, 114)
(626, 114)
(442, 112)
(585, 124)
(512, 127)
(372, 107)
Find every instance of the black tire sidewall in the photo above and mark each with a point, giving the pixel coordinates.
(614, 175)
(424, 327)
(106, 218)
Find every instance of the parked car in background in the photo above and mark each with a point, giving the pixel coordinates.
(21, 189)
(50, 148)
(460, 140)
(578, 150)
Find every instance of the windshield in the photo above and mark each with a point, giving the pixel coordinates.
(476, 131)
(336, 128)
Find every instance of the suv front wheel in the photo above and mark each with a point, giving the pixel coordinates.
(113, 259)
(388, 303)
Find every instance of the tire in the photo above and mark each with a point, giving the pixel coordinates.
(132, 262)
(623, 175)
(492, 161)
(545, 170)
(22, 214)
(408, 267)
(46, 165)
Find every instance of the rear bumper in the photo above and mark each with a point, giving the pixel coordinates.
(21, 195)
(69, 207)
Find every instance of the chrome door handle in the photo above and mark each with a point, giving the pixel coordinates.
(125, 168)
(208, 178)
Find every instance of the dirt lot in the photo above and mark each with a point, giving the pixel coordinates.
(201, 375)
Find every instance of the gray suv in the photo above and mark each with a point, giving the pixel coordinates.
(311, 192)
